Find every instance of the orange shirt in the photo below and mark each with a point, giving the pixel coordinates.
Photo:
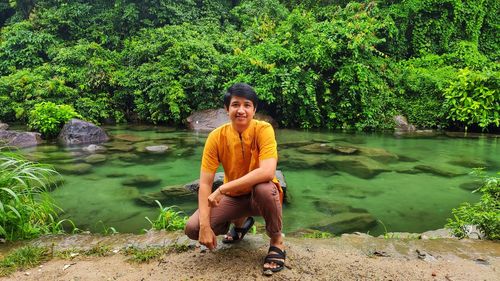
(239, 153)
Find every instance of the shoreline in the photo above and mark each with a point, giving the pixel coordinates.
(348, 257)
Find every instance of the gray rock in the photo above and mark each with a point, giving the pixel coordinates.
(208, 120)
(400, 235)
(3, 126)
(95, 158)
(346, 222)
(195, 185)
(423, 255)
(474, 232)
(157, 149)
(78, 131)
(142, 181)
(20, 139)
(402, 124)
(438, 233)
(77, 169)
(94, 148)
(169, 194)
(359, 166)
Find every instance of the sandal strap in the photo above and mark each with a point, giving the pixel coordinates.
(277, 250)
(278, 262)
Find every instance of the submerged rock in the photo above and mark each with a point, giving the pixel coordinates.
(78, 131)
(77, 169)
(156, 149)
(332, 208)
(95, 158)
(93, 148)
(345, 150)
(293, 159)
(142, 181)
(316, 148)
(294, 144)
(121, 146)
(470, 186)
(442, 171)
(170, 194)
(129, 138)
(359, 166)
(378, 154)
(346, 222)
(469, 163)
(20, 139)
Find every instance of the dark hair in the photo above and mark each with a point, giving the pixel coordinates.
(241, 90)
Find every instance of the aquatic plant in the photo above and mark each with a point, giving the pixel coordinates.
(168, 219)
(26, 208)
(485, 214)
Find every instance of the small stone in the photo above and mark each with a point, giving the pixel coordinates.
(434, 274)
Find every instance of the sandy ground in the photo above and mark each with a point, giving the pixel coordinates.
(350, 257)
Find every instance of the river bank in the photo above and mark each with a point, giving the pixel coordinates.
(349, 257)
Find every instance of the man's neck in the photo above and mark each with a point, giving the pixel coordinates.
(241, 129)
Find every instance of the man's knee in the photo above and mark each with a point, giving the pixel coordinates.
(192, 229)
(265, 191)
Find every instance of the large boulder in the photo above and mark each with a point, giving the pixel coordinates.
(19, 139)
(77, 131)
(208, 120)
(402, 124)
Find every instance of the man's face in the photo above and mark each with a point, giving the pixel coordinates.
(241, 111)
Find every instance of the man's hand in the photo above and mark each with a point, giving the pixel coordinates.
(207, 237)
(214, 198)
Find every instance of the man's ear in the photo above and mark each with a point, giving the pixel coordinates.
(226, 108)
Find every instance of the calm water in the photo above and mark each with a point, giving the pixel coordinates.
(401, 198)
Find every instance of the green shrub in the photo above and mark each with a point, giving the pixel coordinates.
(485, 214)
(48, 118)
(26, 209)
(474, 99)
(168, 219)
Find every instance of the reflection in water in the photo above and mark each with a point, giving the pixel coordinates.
(337, 182)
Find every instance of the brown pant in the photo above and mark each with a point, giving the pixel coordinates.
(263, 201)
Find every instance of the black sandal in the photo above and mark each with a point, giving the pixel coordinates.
(237, 233)
(278, 258)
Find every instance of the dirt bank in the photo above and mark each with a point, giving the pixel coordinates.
(350, 257)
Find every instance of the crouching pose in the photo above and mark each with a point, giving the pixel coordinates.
(247, 150)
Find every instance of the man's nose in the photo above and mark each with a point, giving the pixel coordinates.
(241, 109)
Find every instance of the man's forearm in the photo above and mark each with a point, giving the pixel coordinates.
(203, 192)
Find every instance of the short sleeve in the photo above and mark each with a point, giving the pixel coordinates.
(267, 143)
(210, 158)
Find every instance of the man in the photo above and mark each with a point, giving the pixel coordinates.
(248, 152)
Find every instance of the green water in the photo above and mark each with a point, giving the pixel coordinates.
(412, 202)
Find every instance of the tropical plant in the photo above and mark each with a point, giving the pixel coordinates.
(474, 99)
(26, 209)
(485, 214)
(168, 219)
(48, 118)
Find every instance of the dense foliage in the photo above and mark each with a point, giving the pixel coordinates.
(26, 209)
(327, 64)
(485, 214)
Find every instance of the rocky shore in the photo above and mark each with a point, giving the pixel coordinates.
(349, 257)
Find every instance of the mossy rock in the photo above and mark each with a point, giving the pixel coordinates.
(470, 186)
(358, 166)
(129, 138)
(141, 181)
(95, 158)
(75, 169)
(293, 159)
(316, 148)
(121, 146)
(346, 223)
(443, 171)
(127, 157)
(116, 175)
(469, 163)
(293, 144)
(333, 208)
